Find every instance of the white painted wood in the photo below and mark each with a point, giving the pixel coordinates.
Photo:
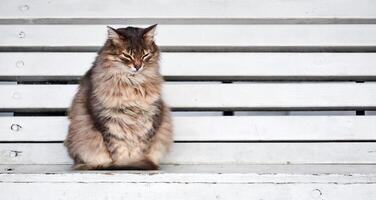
(253, 65)
(215, 153)
(321, 113)
(188, 9)
(208, 173)
(317, 178)
(196, 113)
(219, 37)
(195, 173)
(214, 96)
(189, 191)
(215, 128)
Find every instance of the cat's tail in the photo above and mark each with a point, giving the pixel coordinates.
(138, 165)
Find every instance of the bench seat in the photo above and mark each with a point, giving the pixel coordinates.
(180, 181)
(270, 99)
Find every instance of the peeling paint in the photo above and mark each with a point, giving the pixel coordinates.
(14, 153)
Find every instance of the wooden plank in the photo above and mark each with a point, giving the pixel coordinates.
(200, 37)
(318, 179)
(197, 173)
(214, 153)
(246, 66)
(327, 11)
(215, 128)
(204, 96)
(171, 191)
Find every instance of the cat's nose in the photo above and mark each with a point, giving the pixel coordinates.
(137, 67)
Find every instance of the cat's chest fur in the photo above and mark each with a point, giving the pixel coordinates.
(115, 90)
(126, 115)
(127, 105)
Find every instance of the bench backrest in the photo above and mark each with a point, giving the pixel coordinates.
(293, 85)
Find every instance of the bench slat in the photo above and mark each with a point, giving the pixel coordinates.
(207, 181)
(224, 172)
(226, 9)
(213, 153)
(213, 96)
(270, 66)
(215, 128)
(183, 190)
(196, 37)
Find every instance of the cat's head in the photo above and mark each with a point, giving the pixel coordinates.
(133, 48)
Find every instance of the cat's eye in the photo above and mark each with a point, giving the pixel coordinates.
(147, 55)
(127, 56)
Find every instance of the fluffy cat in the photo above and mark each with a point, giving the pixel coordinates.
(118, 119)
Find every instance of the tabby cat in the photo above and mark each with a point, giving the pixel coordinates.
(118, 119)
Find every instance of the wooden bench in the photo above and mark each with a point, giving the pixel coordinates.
(271, 99)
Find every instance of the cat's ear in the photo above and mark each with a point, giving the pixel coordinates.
(149, 33)
(112, 33)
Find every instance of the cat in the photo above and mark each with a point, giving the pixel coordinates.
(118, 119)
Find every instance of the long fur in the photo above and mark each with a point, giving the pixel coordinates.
(118, 119)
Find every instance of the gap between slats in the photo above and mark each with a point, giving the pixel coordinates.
(219, 49)
(175, 21)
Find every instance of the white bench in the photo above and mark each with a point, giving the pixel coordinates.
(271, 99)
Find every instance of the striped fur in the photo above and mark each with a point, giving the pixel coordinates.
(118, 119)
